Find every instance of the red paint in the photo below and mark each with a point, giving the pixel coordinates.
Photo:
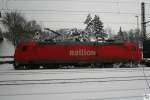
(35, 52)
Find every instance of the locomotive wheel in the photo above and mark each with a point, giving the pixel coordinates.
(129, 65)
(18, 66)
(132, 64)
(35, 67)
(50, 66)
(32, 67)
(117, 65)
(108, 65)
(99, 65)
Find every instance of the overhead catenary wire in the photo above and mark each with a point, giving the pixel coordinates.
(62, 21)
(85, 1)
(43, 12)
(102, 1)
(69, 11)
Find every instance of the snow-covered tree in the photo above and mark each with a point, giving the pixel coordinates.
(88, 19)
(89, 24)
(94, 26)
(98, 27)
(121, 34)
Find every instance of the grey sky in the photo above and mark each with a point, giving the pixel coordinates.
(72, 13)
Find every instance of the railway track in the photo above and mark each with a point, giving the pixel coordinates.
(62, 71)
(6, 56)
(71, 80)
(73, 92)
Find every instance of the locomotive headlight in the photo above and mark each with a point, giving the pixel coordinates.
(24, 48)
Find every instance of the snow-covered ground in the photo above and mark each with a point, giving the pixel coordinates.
(73, 84)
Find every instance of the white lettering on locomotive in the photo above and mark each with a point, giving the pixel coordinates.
(82, 52)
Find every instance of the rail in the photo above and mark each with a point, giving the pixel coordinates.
(6, 56)
(7, 60)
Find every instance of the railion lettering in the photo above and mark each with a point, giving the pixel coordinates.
(82, 52)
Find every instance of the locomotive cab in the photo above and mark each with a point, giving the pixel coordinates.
(23, 52)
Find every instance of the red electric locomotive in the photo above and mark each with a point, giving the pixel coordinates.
(52, 54)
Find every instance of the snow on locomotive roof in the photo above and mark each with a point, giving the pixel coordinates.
(106, 42)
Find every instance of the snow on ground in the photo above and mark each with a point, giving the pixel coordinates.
(73, 84)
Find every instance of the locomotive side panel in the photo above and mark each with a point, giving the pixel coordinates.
(112, 53)
(65, 54)
(50, 53)
(119, 52)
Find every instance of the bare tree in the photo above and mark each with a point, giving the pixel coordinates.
(1, 36)
(109, 31)
(32, 26)
(19, 29)
(14, 23)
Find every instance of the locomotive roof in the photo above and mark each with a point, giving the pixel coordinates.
(79, 42)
